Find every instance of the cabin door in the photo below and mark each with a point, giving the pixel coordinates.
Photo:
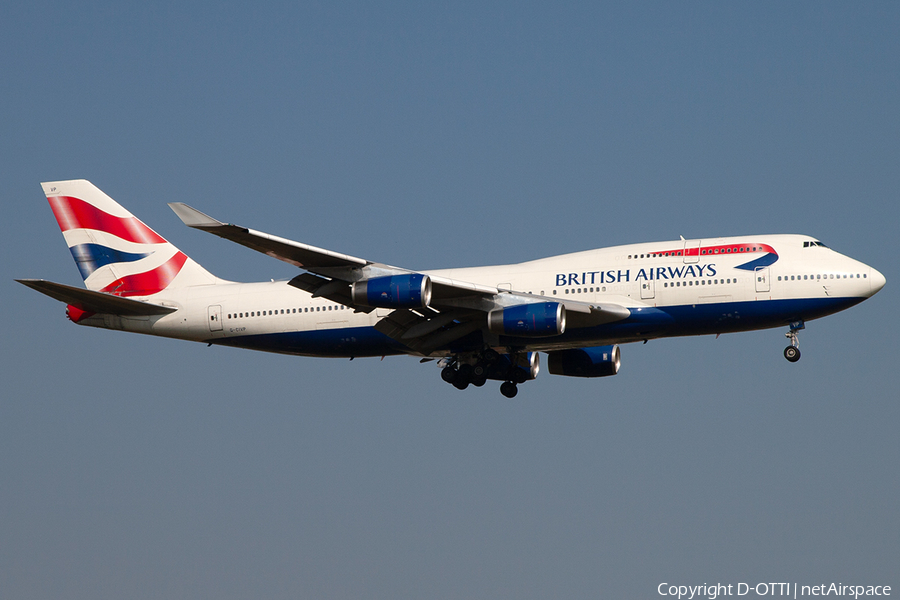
(691, 251)
(215, 318)
(762, 279)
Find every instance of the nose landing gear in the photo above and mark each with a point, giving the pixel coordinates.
(792, 352)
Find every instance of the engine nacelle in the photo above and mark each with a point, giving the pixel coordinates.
(393, 291)
(599, 361)
(539, 319)
(526, 367)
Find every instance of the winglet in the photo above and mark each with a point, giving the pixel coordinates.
(192, 217)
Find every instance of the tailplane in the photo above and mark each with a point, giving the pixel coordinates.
(114, 251)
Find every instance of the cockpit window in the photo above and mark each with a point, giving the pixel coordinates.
(814, 244)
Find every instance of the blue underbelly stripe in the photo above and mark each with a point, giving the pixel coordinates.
(644, 323)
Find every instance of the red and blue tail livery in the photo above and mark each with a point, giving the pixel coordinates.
(114, 251)
(478, 324)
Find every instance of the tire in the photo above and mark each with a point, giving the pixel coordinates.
(509, 389)
(792, 354)
(465, 372)
(448, 374)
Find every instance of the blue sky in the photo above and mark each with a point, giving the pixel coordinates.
(431, 137)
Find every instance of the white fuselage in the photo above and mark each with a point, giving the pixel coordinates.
(690, 287)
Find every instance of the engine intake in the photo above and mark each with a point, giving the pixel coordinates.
(393, 291)
(539, 319)
(598, 361)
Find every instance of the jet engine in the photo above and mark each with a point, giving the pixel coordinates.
(598, 361)
(393, 291)
(539, 319)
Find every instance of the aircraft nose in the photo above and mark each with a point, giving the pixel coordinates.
(876, 280)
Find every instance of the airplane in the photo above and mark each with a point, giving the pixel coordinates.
(477, 323)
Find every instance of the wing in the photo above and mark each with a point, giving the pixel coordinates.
(453, 308)
(333, 271)
(300, 255)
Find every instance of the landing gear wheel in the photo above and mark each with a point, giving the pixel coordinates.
(448, 374)
(490, 356)
(792, 353)
(461, 383)
(509, 389)
(465, 372)
(479, 380)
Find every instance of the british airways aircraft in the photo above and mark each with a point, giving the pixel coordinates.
(478, 323)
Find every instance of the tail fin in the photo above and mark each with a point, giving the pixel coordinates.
(115, 252)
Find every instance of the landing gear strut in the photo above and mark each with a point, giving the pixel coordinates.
(792, 352)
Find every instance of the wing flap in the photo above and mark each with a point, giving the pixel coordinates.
(596, 314)
(446, 289)
(335, 290)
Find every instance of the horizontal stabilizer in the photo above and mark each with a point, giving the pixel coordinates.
(96, 302)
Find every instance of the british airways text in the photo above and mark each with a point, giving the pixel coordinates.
(624, 276)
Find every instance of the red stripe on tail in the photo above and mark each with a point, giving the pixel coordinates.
(151, 282)
(74, 213)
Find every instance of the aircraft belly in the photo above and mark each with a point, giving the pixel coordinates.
(348, 342)
(726, 317)
(690, 319)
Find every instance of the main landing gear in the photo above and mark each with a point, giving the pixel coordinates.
(792, 352)
(477, 369)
